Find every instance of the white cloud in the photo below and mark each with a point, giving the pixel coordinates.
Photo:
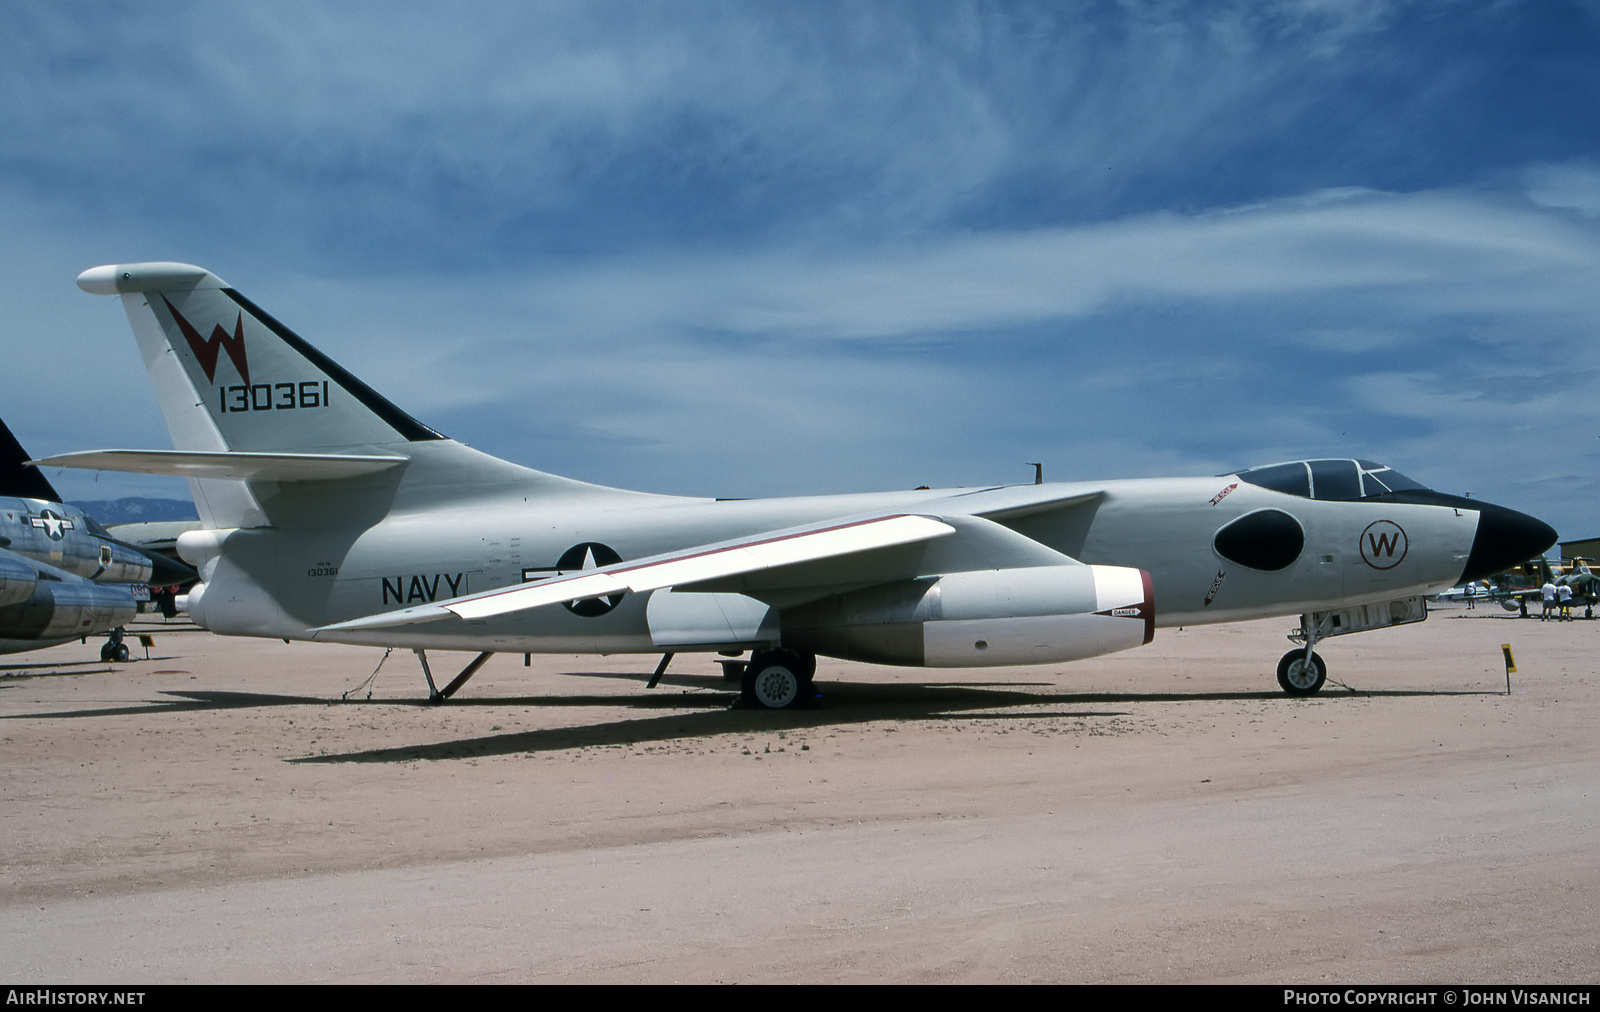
(1439, 252)
(1570, 186)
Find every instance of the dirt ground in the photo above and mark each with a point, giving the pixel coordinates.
(218, 813)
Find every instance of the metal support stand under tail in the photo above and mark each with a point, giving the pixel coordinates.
(661, 669)
(434, 694)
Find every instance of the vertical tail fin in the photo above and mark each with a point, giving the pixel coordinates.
(19, 481)
(231, 377)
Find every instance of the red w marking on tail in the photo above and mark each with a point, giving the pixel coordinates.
(206, 350)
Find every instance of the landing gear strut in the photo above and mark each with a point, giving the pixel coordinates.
(1301, 672)
(777, 679)
(434, 694)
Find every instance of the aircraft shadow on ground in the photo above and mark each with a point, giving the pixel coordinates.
(20, 672)
(839, 704)
(706, 713)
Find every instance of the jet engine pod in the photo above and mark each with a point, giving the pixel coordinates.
(17, 579)
(1038, 615)
(64, 609)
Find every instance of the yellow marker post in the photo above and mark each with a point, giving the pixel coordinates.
(147, 641)
(1511, 665)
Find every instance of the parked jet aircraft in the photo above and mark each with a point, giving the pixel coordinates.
(62, 577)
(42, 606)
(38, 525)
(1585, 584)
(330, 514)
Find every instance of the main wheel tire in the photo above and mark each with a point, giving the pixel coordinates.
(1299, 678)
(806, 666)
(774, 680)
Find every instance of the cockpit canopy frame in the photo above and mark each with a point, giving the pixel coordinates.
(1337, 479)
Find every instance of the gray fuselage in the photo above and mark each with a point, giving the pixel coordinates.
(311, 570)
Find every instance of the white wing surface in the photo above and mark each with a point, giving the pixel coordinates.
(678, 569)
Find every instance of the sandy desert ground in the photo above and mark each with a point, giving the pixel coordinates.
(217, 813)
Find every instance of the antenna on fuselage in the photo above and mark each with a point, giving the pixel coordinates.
(1038, 473)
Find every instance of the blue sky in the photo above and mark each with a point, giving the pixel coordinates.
(755, 249)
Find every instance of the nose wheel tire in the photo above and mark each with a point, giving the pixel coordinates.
(1299, 678)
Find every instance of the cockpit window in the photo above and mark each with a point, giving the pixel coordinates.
(1338, 479)
(1335, 479)
(1378, 479)
(1294, 479)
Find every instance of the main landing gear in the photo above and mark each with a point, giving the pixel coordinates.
(114, 649)
(777, 679)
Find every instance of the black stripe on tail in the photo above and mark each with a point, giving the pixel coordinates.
(409, 427)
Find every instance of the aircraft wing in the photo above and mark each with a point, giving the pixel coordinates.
(235, 464)
(675, 569)
(1012, 502)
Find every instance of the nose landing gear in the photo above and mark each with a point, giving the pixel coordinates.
(1300, 676)
(1301, 671)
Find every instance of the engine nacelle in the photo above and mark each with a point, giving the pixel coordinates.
(1039, 615)
(17, 579)
(63, 608)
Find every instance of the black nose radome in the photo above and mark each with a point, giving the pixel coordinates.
(169, 572)
(1505, 538)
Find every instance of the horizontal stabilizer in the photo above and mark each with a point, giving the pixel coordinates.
(677, 569)
(236, 465)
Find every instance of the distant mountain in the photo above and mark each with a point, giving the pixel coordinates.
(138, 510)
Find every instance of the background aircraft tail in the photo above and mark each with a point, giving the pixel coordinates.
(19, 481)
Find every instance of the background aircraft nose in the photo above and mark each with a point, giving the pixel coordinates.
(1505, 538)
(167, 572)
